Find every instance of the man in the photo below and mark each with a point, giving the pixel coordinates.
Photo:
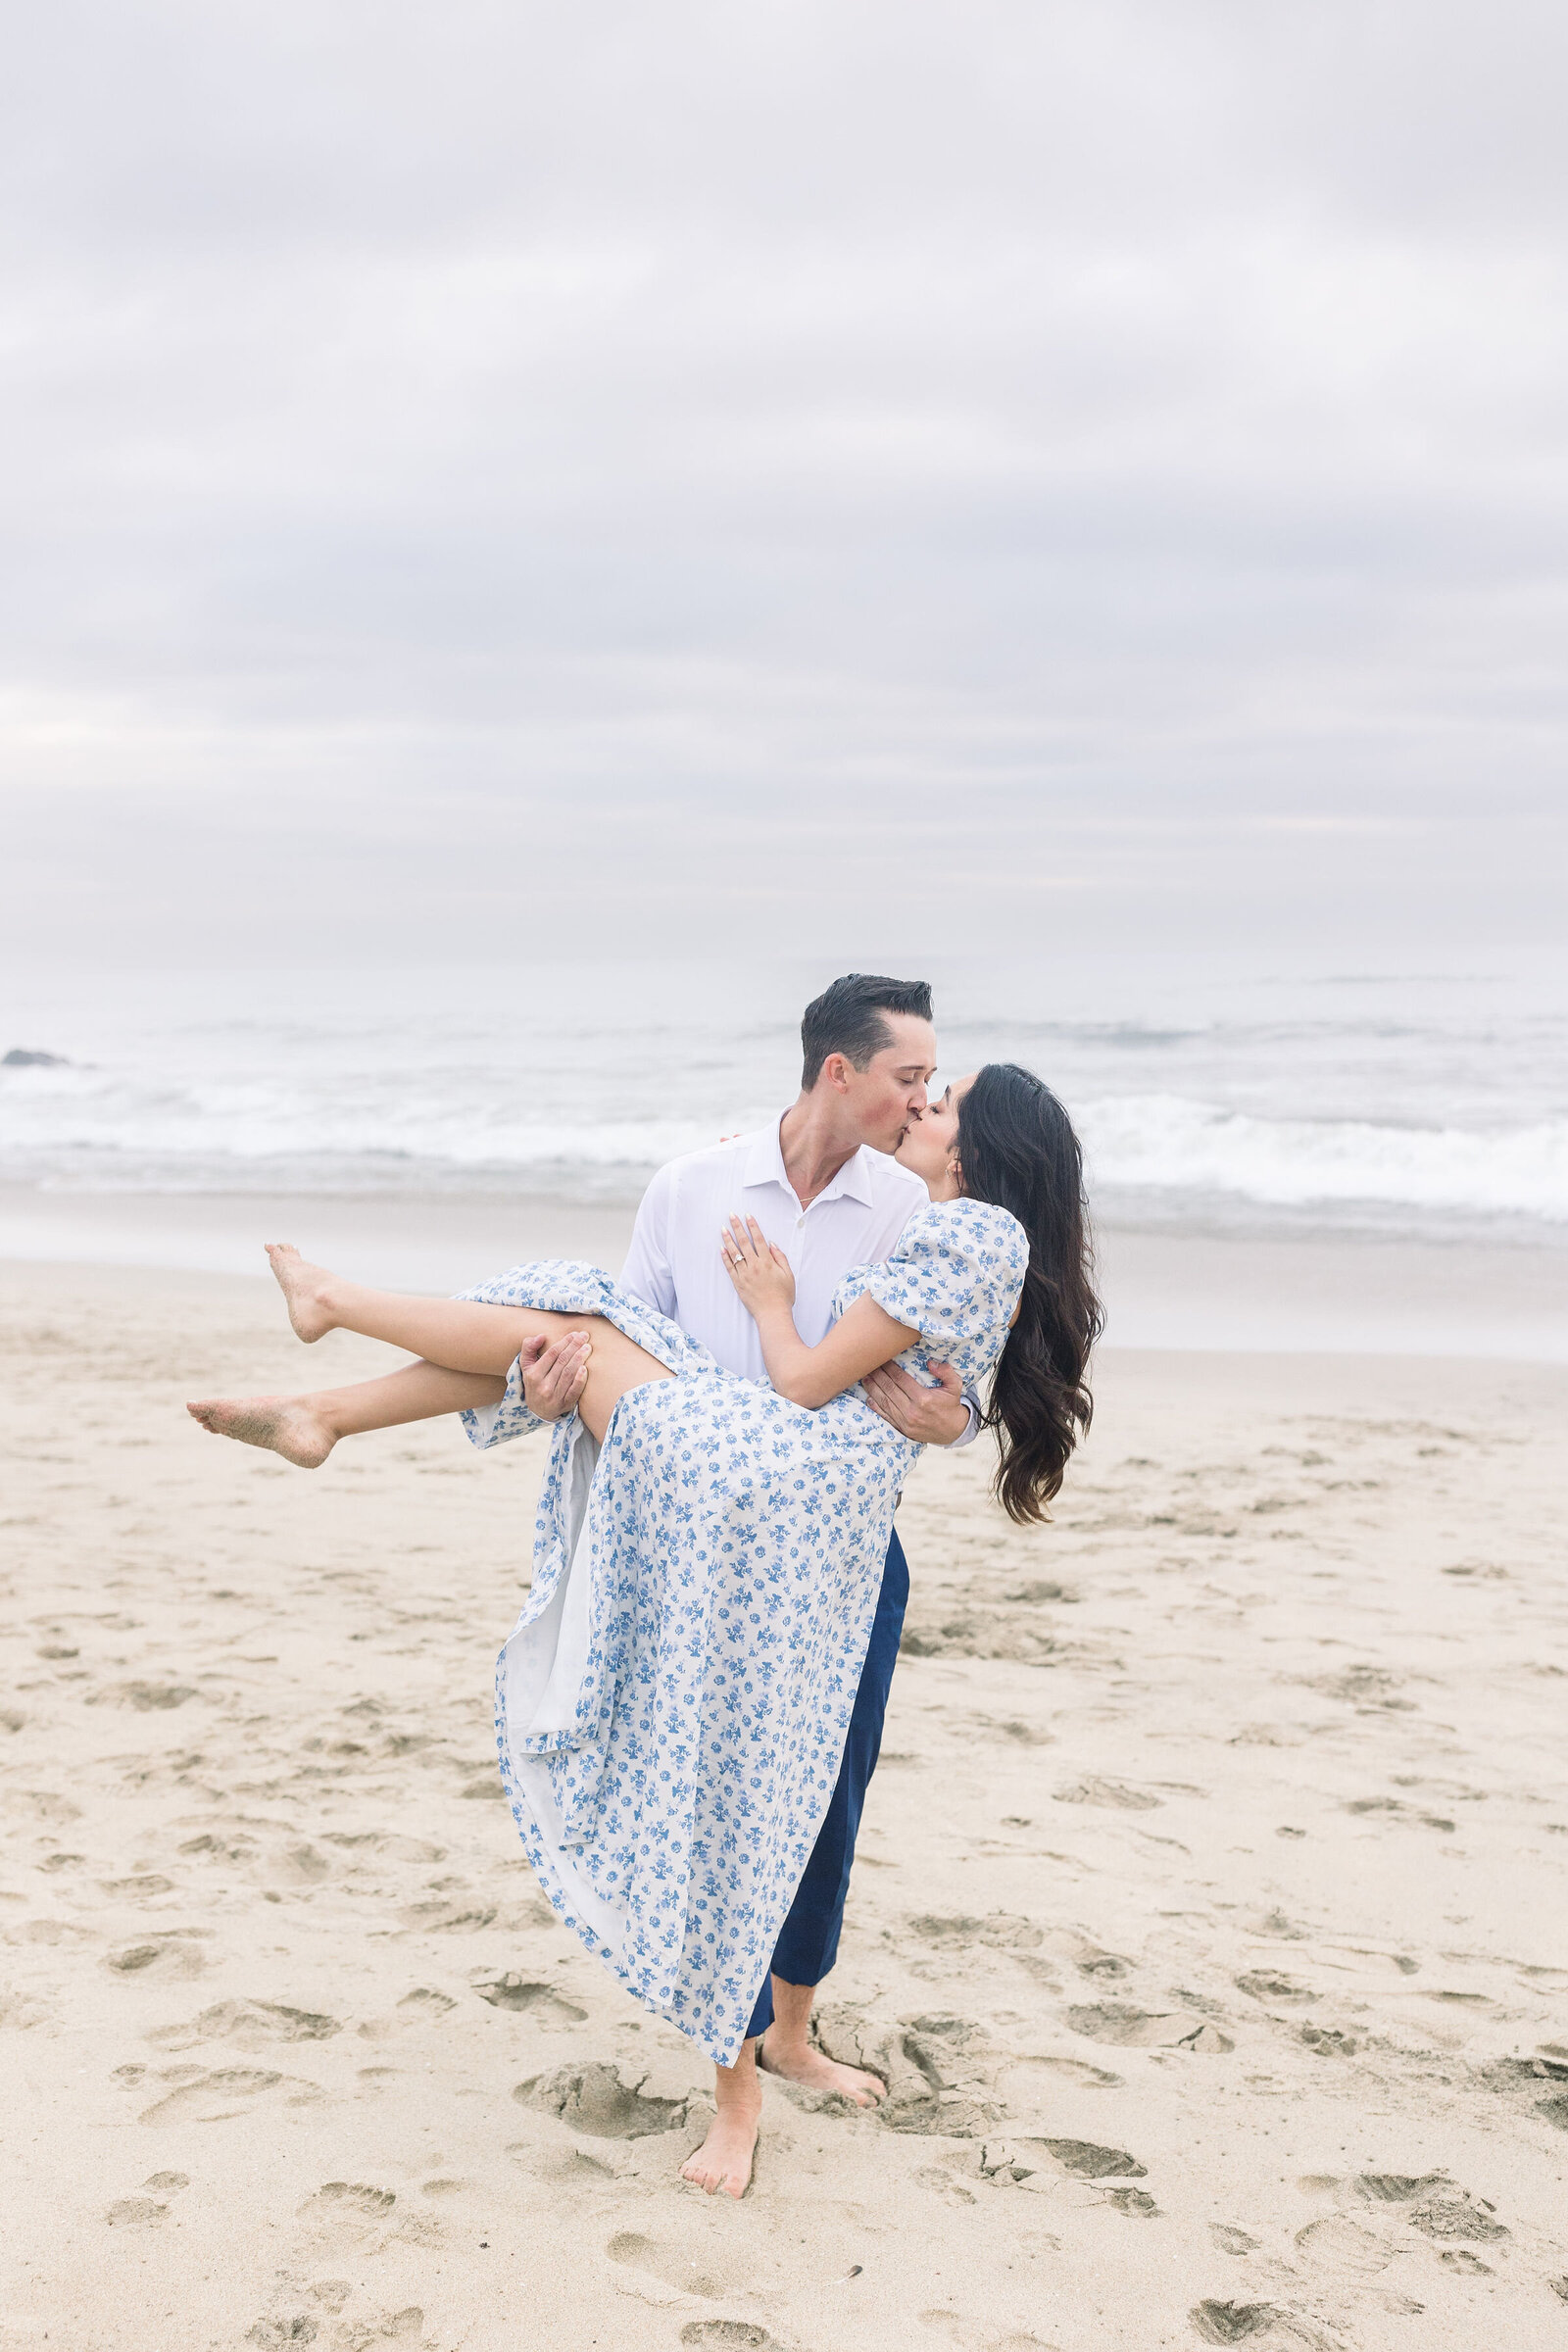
(821, 1183)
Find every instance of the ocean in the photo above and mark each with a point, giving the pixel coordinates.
(1231, 1095)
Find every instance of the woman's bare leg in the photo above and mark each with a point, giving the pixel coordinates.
(472, 1344)
(464, 1334)
(459, 1333)
(305, 1428)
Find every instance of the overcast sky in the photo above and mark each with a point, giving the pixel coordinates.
(853, 475)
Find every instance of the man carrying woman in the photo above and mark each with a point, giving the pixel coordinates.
(689, 1710)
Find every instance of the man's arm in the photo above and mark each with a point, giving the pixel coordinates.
(648, 1273)
(945, 1416)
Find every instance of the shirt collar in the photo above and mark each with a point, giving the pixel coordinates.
(764, 1165)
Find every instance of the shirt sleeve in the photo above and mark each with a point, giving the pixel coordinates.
(648, 1273)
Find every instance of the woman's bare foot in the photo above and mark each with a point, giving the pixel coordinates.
(723, 2162)
(284, 1425)
(303, 1286)
(803, 2062)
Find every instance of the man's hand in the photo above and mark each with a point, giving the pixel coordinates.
(926, 1416)
(555, 1373)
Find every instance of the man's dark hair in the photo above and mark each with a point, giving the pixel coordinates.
(848, 1018)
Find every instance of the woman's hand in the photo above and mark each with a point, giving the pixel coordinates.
(761, 1273)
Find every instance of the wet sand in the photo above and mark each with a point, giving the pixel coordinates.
(1209, 1923)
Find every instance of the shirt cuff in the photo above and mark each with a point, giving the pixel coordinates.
(973, 1429)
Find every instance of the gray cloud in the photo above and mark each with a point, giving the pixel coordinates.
(1102, 465)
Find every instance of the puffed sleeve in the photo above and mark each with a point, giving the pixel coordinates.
(956, 1275)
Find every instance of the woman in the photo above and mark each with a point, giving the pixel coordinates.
(672, 1704)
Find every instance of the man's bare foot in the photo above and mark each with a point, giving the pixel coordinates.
(803, 2062)
(723, 2162)
(304, 1287)
(284, 1425)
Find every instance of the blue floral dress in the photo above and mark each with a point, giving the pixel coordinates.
(672, 1704)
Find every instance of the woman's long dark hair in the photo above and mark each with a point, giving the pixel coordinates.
(1016, 1148)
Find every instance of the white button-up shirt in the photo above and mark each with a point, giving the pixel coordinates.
(676, 1262)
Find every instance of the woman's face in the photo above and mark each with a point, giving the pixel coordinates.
(932, 1139)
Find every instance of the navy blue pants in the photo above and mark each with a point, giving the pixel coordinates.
(808, 1940)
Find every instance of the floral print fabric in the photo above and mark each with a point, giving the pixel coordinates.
(672, 1704)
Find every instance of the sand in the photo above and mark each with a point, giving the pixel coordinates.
(1209, 1919)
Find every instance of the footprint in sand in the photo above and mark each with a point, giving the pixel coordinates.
(1088, 2162)
(175, 1954)
(541, 2002)
(228, 1846)
(1077, 2071)
(1267, 1984)
(1434, 2205)
(136, 2213)
(423, 2006)
(42, 1805)
(216, 2096)
(1034, 2082)
(342, 2215)
(1022, 2159)
(1089, 1958)
(1023, 1734)
(1002, 1931)
(728, 2335)
(675, 2267)
(385, 1846)
(937, 2071)
(1343, 2247)
(1115, 1795)
(1523, 2079)
(349, 2200)
(1233, 2323)
(147, 2210)
(968, 2336)
(1327, 2042)
(145, 1698)
(1455, 2213)
(445, 1917)
(248, 2025)
(953, 2193)
(1131, 2028)
(1136, 2203)
(594, 2099)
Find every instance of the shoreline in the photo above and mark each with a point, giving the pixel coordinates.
(1190, 1291)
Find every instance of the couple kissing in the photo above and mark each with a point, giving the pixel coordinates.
(689, 1709)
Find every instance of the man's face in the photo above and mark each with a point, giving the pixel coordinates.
(882, 1097)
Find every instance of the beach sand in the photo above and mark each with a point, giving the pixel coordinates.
(1209, 1921)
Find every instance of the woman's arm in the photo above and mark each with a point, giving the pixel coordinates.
(857, 1344)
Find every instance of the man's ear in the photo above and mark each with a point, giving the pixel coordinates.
(836, 1070)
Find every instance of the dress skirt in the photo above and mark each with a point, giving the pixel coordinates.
(672, 1704)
